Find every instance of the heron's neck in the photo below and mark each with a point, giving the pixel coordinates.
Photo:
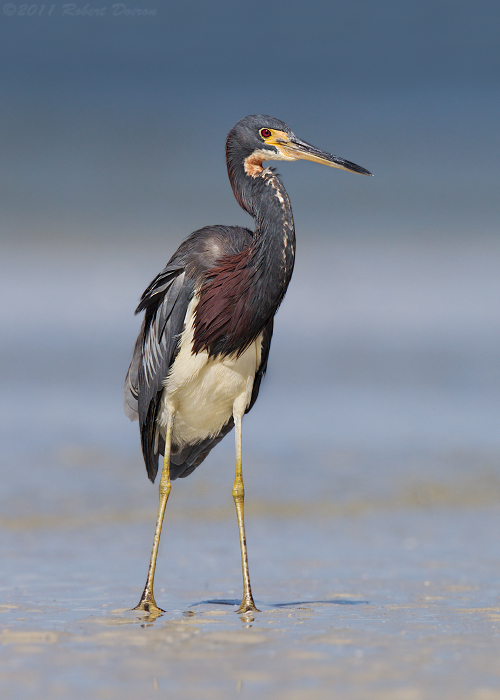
(272, 251)
(243, 291)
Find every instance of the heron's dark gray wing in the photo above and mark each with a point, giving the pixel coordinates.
(266, 346)
(131, 386)
(156, 291)
(165, 303)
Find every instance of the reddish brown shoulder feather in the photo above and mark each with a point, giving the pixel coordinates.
(223, 308)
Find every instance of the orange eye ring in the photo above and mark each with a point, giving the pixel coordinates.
(265, 133)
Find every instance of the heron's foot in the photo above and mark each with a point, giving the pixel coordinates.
(148, 605)
(247, 606)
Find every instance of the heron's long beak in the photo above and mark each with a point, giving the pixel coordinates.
(295, 149)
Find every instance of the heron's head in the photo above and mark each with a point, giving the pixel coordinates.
(258, 138)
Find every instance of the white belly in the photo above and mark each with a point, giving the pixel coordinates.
(204, 392)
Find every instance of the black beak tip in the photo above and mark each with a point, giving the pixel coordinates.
(363, 171)
(354, 168)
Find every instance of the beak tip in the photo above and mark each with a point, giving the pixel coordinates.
(364, 171)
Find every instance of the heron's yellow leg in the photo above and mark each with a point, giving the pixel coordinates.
(147, 601)
(247, 604)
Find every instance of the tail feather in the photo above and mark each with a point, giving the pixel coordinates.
(184, 461)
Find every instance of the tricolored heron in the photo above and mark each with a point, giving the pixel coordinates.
(203, 347)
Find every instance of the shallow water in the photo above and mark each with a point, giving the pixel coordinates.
(394, 596)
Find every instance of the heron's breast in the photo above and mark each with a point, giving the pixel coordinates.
(204, 391)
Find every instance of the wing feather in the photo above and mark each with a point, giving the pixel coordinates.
(165, 303)
(266, 346)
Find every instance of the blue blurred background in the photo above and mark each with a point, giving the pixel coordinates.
(372, 457)
(112, 152)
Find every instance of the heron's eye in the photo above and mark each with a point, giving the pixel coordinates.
(265, 133)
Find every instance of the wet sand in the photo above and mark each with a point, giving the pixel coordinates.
(368, 590)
